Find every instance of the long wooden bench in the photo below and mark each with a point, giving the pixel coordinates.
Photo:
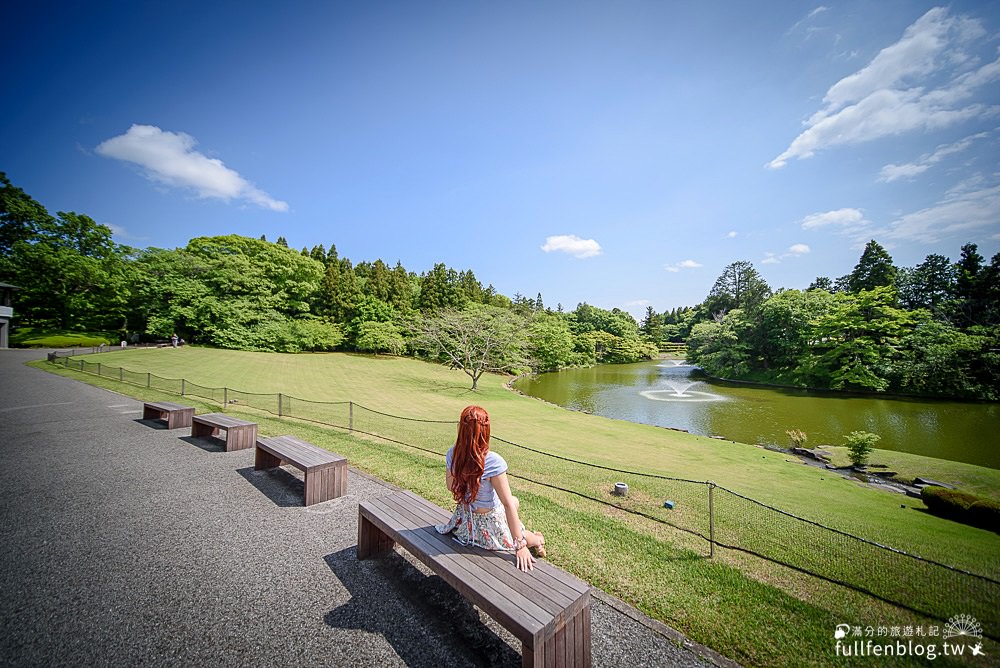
(240, 434)
(175, 415)
(547, 609)
(325, 471)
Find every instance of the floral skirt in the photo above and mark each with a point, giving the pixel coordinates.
(486, 530)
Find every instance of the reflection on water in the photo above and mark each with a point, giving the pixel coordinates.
(665, 393)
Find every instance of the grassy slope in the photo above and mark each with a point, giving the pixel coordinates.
(33, 338)
(620, 554)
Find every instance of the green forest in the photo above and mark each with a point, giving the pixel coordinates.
(933, 329)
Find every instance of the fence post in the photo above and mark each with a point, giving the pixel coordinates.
(225, 397)
(120, 376)
(711, 519)
(182, 387)
(149, 380)
(98, 369)
(279, 404)
(350, 417)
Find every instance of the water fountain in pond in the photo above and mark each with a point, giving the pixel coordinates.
(673, 364)
(678, 388)
(680, 391)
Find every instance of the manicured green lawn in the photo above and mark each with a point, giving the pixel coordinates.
(34, 338)
(750, 609)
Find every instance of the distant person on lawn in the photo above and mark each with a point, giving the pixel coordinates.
(486, 512)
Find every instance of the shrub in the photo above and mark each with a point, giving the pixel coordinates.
(859, 445)
(946, 502)
(962, 507)
(28, 337)
(797, 437)
(985, 514)
(379, 337)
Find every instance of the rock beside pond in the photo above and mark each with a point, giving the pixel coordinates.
(813, 453)
(924, 482)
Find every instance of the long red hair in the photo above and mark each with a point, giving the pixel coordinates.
(468, 461)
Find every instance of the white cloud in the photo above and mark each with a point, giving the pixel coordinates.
(684, 264)
(894, 172)
(170, 158)
(924, 81)
(731, 235)
(572, 245)
(847, 219)
(804, 24)
(795, 250)
(969, 209)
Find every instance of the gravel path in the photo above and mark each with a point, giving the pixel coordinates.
(125, 543)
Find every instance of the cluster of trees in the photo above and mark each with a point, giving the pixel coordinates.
(933, 329)
(252, 294)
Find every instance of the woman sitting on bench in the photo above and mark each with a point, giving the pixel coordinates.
(486, 512)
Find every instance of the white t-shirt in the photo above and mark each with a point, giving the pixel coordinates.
(493, 466)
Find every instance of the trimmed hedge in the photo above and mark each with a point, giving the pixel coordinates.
(962, 507)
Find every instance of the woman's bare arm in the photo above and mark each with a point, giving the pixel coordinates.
(510, 505)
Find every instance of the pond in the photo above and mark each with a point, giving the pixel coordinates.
(668, 393)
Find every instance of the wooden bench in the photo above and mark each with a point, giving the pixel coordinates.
(326, 472)
(547, 609)
(240, 434)
(176, 415)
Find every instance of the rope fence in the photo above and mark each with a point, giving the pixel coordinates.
(719, 516)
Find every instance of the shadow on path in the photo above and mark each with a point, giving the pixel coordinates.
(207, 443)
(277, 484)
(393, 598)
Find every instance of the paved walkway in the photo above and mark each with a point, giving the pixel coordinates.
(126, 544)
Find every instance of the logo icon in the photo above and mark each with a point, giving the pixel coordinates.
(841, 631)
(963, 625)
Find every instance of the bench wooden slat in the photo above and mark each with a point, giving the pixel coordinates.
(551, 583)
(524, 618)
(325, 471)
(166, 405)
(223, 421)
(546, 608)
(176, 415)
(299, 453)
(548, 583)
(240, 434)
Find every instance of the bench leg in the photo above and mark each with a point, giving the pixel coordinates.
(325, 484)
(202, 430)
(569, 646)
(241, 437)
(265, 460)
(178, 419)
(371, 541)
(150, 413)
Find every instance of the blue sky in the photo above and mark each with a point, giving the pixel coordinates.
(619, 153)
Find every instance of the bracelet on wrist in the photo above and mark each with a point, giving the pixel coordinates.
(519, 543)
